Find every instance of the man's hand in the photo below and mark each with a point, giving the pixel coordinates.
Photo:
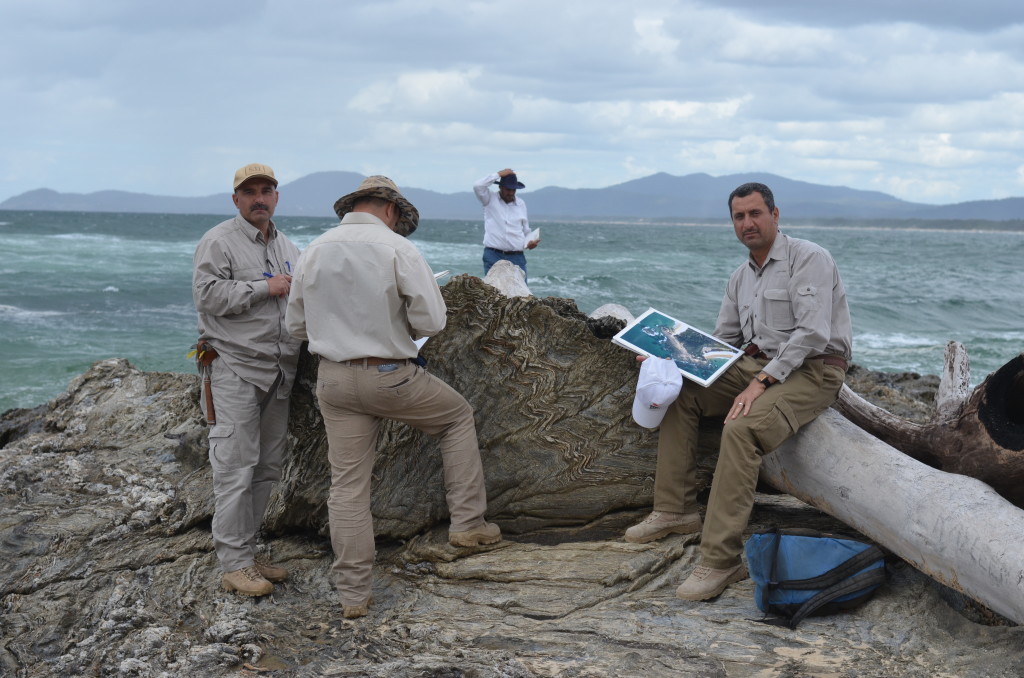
(533, 243)
(280, 285)
(741, 404)
(505, 172)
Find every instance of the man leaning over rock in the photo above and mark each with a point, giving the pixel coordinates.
(362, 294)
(240, 283)
(786, 307)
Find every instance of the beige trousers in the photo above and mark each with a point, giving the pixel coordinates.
(775, 416)
(353, 400)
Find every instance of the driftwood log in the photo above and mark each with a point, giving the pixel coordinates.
(978, 434)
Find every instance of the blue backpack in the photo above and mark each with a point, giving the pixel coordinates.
(798, 572)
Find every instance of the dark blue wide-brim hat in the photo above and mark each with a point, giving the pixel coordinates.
(510, 181)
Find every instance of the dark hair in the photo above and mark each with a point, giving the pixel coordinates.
(753, 187)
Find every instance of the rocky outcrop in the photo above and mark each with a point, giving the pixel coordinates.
(105, 507)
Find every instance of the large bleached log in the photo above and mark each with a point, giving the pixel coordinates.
(956, 529)
(978, 434)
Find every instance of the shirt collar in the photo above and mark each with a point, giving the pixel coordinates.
(779, 250)
(253, 233)
(362, 218)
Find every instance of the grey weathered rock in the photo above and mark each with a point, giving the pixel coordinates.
(508, 279)
(109, 570)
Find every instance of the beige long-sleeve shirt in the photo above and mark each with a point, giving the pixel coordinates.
(794, 307)
(236, 313)
(360, 290)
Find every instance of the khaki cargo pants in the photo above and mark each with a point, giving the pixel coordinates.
(353, 401)
(775, 416)
(246, 452)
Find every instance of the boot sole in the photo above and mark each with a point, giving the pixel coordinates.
(251, 594)
(738, 575)
(482, 541)
(660, 534)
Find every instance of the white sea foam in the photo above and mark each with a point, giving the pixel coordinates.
(15, 313)
(111, 288)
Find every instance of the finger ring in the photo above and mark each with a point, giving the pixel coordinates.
(740, 404)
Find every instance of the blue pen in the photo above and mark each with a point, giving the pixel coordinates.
(289, 265)
(268, 275)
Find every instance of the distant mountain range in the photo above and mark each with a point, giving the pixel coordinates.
(658, 196)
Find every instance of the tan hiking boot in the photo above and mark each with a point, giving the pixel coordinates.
(271, 573)
(487, 533)
(356, 611)
(661, 524)
(248, 581)
(706, 582)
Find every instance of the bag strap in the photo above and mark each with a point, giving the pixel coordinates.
(772, 582)
(838, 573)
(859, 582)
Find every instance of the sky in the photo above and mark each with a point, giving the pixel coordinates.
(920, 99)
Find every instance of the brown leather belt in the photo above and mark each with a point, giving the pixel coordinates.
(373, 362)
(494, 249)
(754, 351)
(831, 359)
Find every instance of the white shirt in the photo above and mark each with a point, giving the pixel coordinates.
(506, 226)
(360, 290)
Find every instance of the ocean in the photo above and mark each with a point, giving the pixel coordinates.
(77, 287)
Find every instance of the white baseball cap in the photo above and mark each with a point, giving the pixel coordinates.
(657, 386)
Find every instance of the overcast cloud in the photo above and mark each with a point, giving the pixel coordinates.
(922, 99)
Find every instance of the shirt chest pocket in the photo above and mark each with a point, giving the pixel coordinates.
(778, 309)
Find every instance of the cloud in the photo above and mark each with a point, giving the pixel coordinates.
(923, 99)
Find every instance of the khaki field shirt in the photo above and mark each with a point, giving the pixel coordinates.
(793, 308)
(236, 313)
(363, 291)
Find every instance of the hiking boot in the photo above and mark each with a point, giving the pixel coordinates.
(356, 611)
(248, 581)
(486, 533)
(661, 524)
(271, 573)
(706, 582)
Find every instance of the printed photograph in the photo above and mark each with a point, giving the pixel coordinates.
(700, 357)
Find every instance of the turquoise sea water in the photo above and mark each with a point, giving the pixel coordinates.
(80, 287)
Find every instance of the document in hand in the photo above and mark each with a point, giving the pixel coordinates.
(534, 236)
(701, 357)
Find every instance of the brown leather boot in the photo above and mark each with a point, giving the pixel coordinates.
(248, 581)
(270, 572)
(487, 533)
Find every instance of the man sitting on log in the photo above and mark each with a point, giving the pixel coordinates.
(360, 289)
(786, 307)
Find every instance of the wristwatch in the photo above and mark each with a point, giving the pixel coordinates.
(764, 379)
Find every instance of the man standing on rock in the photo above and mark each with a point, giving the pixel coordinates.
(240, 284)
(362, 294)
(506, 226)
(786, 307)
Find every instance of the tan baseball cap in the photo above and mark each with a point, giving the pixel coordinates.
(251, 171)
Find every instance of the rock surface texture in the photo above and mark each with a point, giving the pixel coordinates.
(109, 571)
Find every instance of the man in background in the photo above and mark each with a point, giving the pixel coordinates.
(506, 226)
(786, 307)
(363, 293)
(240, 284)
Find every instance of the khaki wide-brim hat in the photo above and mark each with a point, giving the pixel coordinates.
(379, 186)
